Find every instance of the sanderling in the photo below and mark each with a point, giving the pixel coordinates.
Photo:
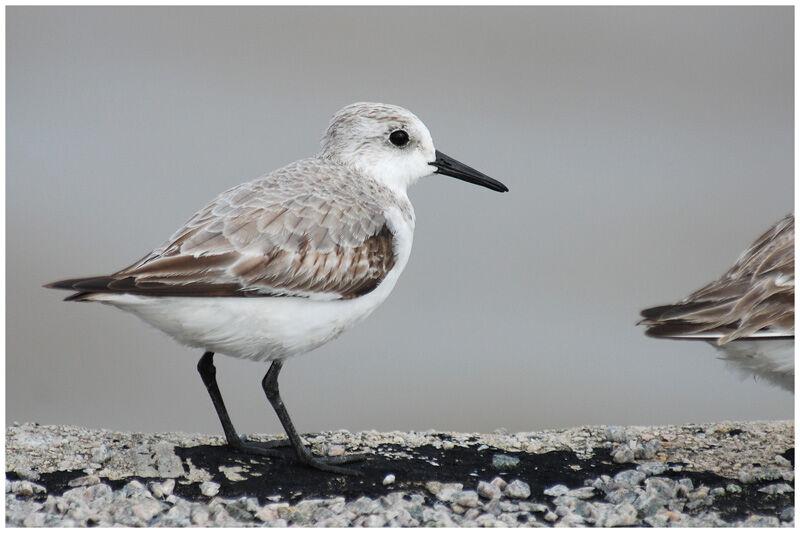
(748, 313)
(283, 264)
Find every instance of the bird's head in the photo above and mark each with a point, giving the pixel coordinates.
(391, 145)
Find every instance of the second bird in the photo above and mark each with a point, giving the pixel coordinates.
(748, 313)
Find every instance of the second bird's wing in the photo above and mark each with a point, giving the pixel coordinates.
(755, 298)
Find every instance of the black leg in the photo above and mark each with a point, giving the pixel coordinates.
(270, 385)
(209, 374)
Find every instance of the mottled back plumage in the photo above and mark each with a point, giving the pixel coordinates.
(311, 229)
(755, 298)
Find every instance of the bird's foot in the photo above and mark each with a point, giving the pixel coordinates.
(330, 464)
(268, 445)
(276, 448)
(263, 449)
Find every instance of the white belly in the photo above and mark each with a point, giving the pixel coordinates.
(770, 359)
(266, 328)
(248, 328)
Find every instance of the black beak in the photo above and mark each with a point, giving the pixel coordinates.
(450, 167)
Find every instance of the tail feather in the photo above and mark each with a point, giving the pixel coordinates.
(83, 286)
(687, 319)
(672, 311)
(678, 329)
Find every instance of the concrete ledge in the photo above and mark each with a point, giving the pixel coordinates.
(715, 474)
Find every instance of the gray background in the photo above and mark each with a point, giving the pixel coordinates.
(644, 149)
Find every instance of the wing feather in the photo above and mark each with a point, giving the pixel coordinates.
(755, 296)
(280, 235)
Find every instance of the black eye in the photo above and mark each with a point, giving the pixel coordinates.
(399, 138)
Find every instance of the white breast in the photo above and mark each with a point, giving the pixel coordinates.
(265, 328)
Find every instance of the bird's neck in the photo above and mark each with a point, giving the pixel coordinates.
(389, 173)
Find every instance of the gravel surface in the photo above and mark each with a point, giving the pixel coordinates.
(739, 474)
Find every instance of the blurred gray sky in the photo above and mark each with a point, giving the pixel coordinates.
(645, 148)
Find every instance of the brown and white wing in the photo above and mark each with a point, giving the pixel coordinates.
(265, 238)
(754, 299)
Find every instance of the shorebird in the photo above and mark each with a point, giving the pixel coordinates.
(283, 264)
(748, 313)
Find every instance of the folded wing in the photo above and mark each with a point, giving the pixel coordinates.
(276, 236)
(755, 298)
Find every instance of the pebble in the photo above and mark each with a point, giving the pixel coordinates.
(783, 461)
(647, 505)
(135, 489)
(146, 510)
(389, 479)
(472, 514)
(621, 495)
(556, 490)
(583, 493)
(604, 483)
(733, 488)
(266, 514)
(209, 488)
(518, 489)
(762, 474)
(34, 520)
(570, 521)
(25, 472)
(489, 491)
(699, 494)
(466, 498)
(648, 450)
(652, 468)
(532, 507)
(623, 454)
(583, 509)
(616, 434)
(240, 510)
(336, 450)
(660, 519)
(776, 488)
(502, 461)
(663, 488)
(25, 488)
(101, 454)
(499, 482)
(374, 520)
(621, 516)
(448, 490)
(629, 478)
(364, 505)
(162, 489)
(443, 491)
(762, 521)
(433, 487)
